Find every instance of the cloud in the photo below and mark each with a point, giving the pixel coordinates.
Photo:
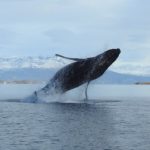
(6, 36)
(75, 28)
(131, 68)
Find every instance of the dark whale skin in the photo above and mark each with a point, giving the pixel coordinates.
(82, 71)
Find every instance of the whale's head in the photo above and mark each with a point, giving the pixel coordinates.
(103, 61)
(108, 57)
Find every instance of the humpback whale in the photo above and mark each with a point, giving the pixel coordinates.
(79, 72)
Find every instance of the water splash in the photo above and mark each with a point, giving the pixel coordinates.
(73, 95)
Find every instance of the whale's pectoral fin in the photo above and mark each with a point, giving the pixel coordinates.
(86, 95)
(74, 59)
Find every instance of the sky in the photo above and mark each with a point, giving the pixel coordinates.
(80, 28)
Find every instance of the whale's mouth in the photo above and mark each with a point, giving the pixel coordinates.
(112, 54)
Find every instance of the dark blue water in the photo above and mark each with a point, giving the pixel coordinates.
(95, 125)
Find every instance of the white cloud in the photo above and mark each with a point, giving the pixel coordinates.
(74, 28)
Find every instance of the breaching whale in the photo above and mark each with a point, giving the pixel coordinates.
(79, 72)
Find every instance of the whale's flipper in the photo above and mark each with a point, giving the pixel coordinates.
(74, 59)
(86, 95)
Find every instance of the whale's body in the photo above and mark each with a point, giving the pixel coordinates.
(79, 72)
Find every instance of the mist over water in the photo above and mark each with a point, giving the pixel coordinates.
(95, 91)
(74, 95)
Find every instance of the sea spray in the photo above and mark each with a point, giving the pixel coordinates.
(74, 95)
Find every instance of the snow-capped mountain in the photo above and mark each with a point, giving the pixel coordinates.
(43, 68)
(41, 74)
(132, 68)
(31, 62)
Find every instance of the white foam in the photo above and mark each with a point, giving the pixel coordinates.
(70, 96)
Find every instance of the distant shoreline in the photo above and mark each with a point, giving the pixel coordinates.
(142, 83)
(21, 81)
(44, 81)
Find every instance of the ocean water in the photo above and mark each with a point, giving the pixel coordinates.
(116, 117)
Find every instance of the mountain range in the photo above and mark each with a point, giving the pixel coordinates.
(43, 68)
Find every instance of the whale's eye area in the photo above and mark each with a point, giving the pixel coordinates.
(108, 57)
